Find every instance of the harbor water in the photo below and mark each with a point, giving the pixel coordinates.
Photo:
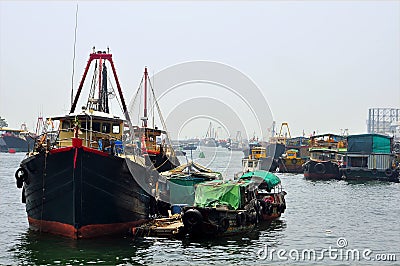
(326, 222)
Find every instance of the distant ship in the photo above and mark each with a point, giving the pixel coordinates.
(16, 140)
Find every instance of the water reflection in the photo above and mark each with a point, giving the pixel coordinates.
(44, 249)
(34, 248)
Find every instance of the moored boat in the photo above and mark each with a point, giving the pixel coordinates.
(326, 154)
(221, 209)
(270, 194)
(17, 140)
(189, 147)
(297, 153)
(370, 157)
(258, 160)
(85, 183)
(289, 162)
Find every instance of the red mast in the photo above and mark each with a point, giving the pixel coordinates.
(145, 98)
(108, 57)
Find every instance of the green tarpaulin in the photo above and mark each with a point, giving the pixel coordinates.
(214, 193)
(268, 177)
(369, 143)
(182, 190)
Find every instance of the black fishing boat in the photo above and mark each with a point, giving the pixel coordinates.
(85, 183)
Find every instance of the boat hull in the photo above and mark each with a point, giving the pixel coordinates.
(321, 170)
(291, 165)
(272, 205)
(212, 222)
(15, 143)
(365, 174)
(83, 193)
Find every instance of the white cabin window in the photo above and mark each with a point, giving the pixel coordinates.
(115, 129)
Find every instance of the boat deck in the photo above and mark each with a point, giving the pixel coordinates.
(164, 227)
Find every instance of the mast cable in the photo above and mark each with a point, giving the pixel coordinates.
(73, 60)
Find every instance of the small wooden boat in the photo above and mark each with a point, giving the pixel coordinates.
(270, 194)
(221, 209)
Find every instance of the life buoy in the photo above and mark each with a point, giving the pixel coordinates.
(388, 172)
(374, 171)
(20, 175)
(294, 161)
(223, 225)
(270, 199)
(192, 218)
(320, 168)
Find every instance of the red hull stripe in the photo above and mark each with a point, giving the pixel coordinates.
(65, 149)
(153, 152)
(87, 231)
(53, 227)
(94, 151)
(75, 156)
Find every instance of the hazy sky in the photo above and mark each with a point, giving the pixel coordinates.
(319, 64)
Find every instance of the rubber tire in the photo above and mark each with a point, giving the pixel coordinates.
(223, 225)
(192, 218)
(320, 168)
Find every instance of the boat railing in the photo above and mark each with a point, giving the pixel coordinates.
(90, 138)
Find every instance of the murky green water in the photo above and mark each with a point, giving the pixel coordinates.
(365, 215)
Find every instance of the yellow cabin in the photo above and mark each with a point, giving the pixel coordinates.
(96, 129)
(258, 152)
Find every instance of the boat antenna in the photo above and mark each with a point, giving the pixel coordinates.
(145, 98)
(73, 60)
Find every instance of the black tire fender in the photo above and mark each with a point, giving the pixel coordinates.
(320, 168)
(223, 225)
(192, 218)
(20, 175)
(388, 172)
